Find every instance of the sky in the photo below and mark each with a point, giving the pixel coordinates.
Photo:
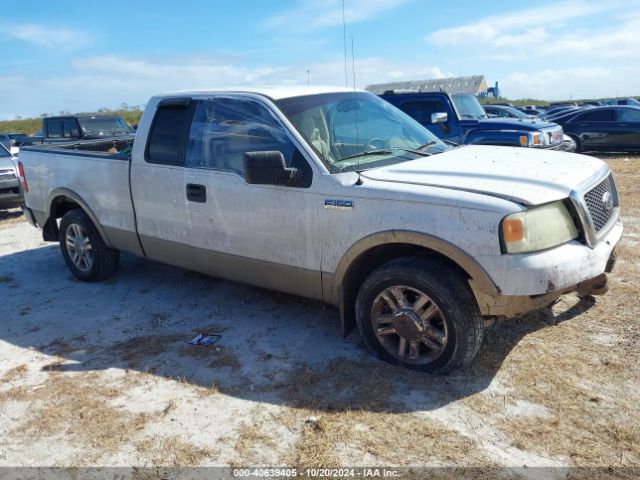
(71, 55)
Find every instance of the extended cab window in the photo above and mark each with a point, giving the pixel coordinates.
(225, 128)
(167, 139)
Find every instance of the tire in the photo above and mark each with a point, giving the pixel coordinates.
(79, 239)
(441, 332)
(578, 146)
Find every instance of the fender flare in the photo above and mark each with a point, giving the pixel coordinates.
(468, 264)
(65, 192)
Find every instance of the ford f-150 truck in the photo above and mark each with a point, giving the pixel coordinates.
(460, 118)
(336, 195)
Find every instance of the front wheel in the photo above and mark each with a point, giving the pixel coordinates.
(577, 142)
(420, 314)
(83, 250)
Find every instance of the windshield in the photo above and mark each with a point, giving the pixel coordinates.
(516, 113)
(468, 106)
(102, 125)
(357, 131)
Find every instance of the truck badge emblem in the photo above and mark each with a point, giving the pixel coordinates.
(607, 201)
(331, 204)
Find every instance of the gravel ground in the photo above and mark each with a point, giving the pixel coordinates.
(101, 374)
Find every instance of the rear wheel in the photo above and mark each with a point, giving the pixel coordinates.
(420, 314)
(83, 250)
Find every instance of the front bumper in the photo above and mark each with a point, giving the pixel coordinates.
(10, 195)
(553, 269)
(530, 281)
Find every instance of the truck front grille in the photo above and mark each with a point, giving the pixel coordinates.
(601, 202)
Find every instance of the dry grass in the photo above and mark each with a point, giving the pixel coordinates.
(584, 369)
(402, 439)
(217, 357)
(77, 408)
(343, 415)
(17, 394)
(171, 451)
(135, 350)
(255, 441)
(15, 373)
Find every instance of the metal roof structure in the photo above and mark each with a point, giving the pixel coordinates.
(475, 84)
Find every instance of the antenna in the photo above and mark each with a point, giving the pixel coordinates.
(308, 76)
(344, 44)
(355, 103)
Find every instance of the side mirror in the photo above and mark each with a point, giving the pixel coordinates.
(439, 117)
(268, 168)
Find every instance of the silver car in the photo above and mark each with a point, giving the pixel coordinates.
(10, 194)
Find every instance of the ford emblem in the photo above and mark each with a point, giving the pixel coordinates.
(607, 201)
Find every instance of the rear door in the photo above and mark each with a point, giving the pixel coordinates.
(158, 186)
(260, 234)
(628, 122)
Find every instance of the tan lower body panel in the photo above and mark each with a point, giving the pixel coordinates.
(260, 273)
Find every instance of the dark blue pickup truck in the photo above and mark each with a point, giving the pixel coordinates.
(461, 119)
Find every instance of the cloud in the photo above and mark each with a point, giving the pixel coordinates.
(44, 36)
(311, 15)
(110, 80)
(577, 82)
(498, 30)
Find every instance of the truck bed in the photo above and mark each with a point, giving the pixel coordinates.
(95, 171)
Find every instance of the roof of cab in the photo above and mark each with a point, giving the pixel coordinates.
(276, 92)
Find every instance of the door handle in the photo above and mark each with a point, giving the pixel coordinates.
(623, 124)
(196, 193)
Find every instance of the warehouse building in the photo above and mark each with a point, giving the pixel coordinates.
(475, 84)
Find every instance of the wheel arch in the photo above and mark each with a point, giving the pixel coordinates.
(61, 200)
(376, 249)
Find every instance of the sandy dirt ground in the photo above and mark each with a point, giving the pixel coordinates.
(101, 374)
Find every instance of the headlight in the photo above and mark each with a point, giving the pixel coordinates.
(538, 228)
(532, 139)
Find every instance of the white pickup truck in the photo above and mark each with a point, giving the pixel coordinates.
(335, 195)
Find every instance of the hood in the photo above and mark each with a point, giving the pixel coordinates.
(523, 175)
(502, 123)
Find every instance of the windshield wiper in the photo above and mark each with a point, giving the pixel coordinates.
(389, 151)
(426, 145)
(376, 151)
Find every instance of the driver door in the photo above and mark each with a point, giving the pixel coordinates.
(264, 235)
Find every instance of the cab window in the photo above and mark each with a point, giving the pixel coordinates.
(225, 128)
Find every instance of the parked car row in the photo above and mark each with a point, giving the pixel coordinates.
(612, 126)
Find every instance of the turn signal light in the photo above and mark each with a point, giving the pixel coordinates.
(513, 230)
(524, 141)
